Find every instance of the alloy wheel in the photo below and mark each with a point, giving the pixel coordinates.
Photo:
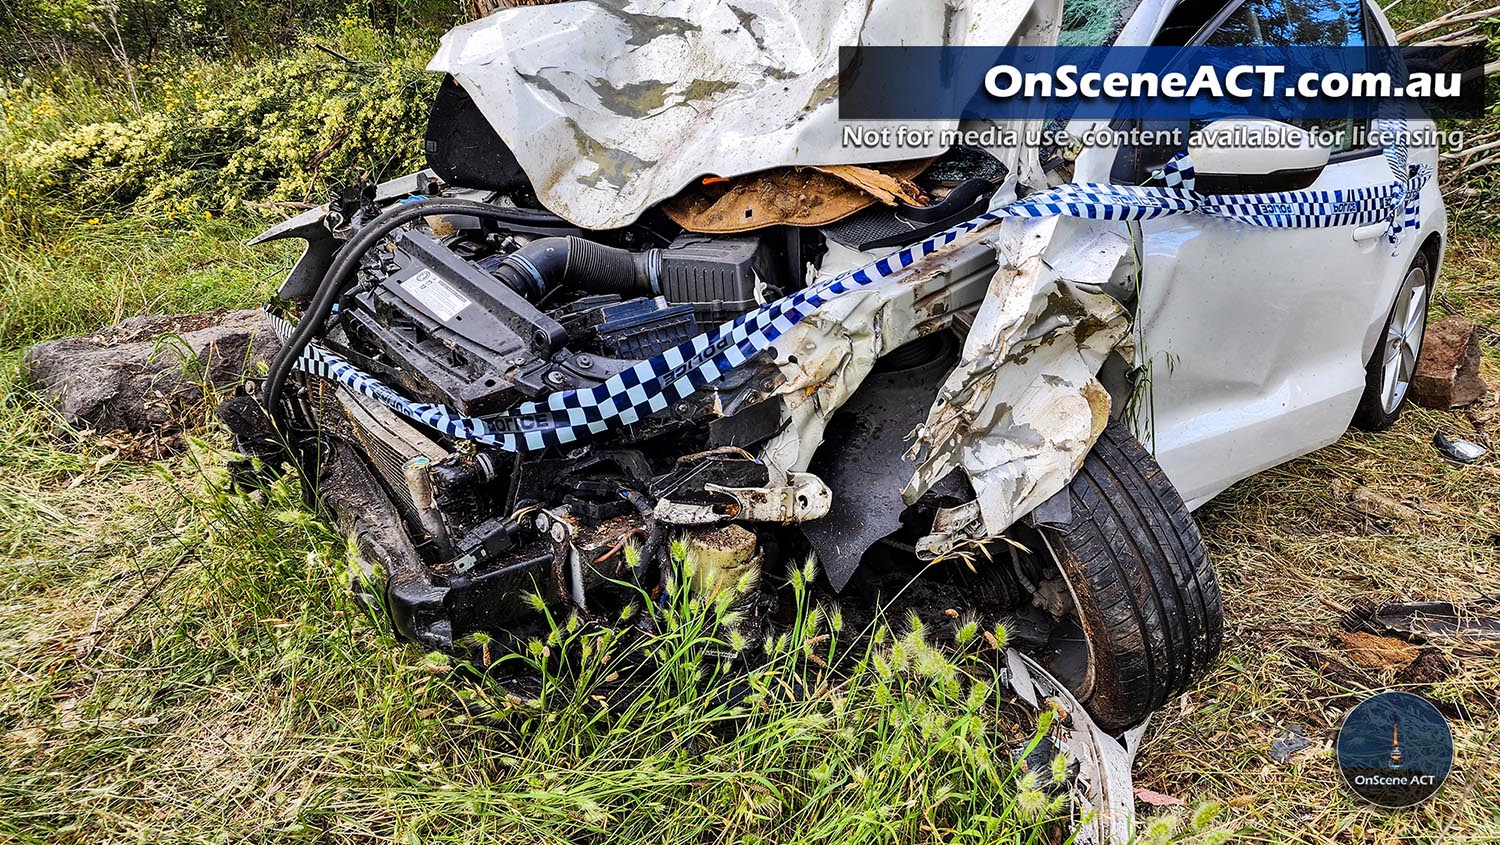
(1403, 339)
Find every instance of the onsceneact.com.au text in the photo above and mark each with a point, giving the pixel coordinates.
(1035, 134)
(1006, 81)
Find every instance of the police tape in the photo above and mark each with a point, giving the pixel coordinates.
(650, 386)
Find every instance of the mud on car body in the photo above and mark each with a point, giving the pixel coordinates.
(969, 422)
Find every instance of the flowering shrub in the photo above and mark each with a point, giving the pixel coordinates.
(102, 31)
(216, 135)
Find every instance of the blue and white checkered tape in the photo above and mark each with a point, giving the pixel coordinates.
(569, 416)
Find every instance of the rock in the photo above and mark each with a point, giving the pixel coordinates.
(1376, 504)
(149, 374)
(1448, 373)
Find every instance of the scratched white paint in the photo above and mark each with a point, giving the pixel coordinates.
(1024, 406)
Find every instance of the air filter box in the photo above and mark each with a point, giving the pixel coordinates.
(713, 273)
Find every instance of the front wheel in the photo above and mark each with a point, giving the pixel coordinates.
(1146, 619)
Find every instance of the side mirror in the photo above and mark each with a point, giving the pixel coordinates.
(1251, 155)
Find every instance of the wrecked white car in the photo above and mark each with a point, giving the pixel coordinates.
(645, 292)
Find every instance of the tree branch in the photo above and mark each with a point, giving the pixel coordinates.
(1453, 18)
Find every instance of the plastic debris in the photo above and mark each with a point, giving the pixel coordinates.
(1290, 742)
(1457, 449)
(1423, 621)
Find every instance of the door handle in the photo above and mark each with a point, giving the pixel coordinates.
(1374, 230)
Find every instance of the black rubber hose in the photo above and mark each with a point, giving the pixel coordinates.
(342, 270)
(654, 538)
(574, 262)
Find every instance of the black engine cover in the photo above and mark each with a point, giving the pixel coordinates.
(453, 330)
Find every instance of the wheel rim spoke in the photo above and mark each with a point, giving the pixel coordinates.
(1413, 317)
(1389, 384)
(1403, 339)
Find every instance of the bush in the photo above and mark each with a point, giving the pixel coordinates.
(104, 32)
(215, 134)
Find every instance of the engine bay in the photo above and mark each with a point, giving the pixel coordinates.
(485, 304)
(453, 300)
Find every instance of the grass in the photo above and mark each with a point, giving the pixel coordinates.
(186, 665)
(180, 664)
(1294, 554)
(77, 276)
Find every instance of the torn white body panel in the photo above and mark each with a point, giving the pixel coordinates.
(1024, 406)
(824, 359)
(1105, 794)
(661, 94)
(612, 106)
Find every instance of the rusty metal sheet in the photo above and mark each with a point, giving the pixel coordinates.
(796, 196)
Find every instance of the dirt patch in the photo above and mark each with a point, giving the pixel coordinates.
(1376, 653)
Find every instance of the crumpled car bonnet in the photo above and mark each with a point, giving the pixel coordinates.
(612, 106)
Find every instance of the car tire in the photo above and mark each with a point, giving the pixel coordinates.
(1390, 369)
(1144, 593)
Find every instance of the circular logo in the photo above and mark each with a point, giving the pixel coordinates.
(1395, 749)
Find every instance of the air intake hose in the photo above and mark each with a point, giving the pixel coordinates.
(548, 263)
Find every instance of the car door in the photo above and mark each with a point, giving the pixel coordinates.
(1251, 338)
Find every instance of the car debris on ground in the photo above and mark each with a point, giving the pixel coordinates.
(1457, 449)
(1475, 622)
(1288, 743)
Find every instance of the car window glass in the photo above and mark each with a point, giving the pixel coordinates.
(1324, 23)
(1278, 23)
(1373, 36)
(1186, 20)
(1341, 23)
(1092, 23)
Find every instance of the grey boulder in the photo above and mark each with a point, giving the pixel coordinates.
(150, 374)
